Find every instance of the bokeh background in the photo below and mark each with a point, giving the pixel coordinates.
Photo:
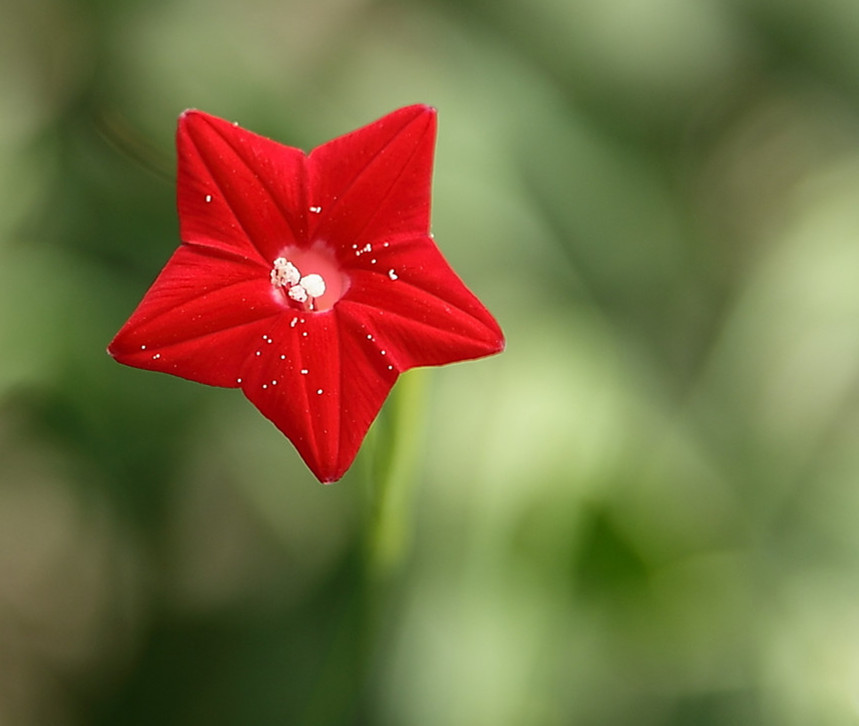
(644, 512)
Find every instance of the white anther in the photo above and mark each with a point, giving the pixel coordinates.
(298, 293)
(314, 284)
(284, 273)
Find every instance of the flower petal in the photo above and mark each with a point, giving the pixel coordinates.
(238, 191)
(321, 383)
(200, 319)
(375, 181)
(420, 310)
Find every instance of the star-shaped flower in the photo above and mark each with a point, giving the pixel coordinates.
(309, 280)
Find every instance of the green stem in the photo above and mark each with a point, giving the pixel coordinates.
(394, 475)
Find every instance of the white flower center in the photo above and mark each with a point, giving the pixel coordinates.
(299, 288)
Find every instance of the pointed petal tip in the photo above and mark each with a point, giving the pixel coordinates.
(496, 347)
(327, 473)
(196, 116)
(187, 113)
(413, 113)
(500, 344)
(496, 342)
(187, 116)
(423, 109)
(112, 347)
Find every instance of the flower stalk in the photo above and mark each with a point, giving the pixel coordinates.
(394, 474)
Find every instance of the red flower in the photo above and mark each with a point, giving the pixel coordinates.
(308, 280)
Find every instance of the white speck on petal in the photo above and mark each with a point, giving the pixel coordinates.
(383, 352)
(318, 391)
(208, 198)
(258, 353)
(238, 380)
(282, 356)
(369, 337)
(313, 284)
(316, 210)
(304, 371)
(304, 334)
(156, 356)
(142, 347)
(293, 322)
(373, 261)
(264, 385)
(393, 275)
(390, 368)
(274, 383)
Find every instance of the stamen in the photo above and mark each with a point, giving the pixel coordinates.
(298, 293)
(314, 284)
(284, 273)
(304, 290)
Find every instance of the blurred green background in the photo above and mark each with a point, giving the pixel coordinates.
(643, 512)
